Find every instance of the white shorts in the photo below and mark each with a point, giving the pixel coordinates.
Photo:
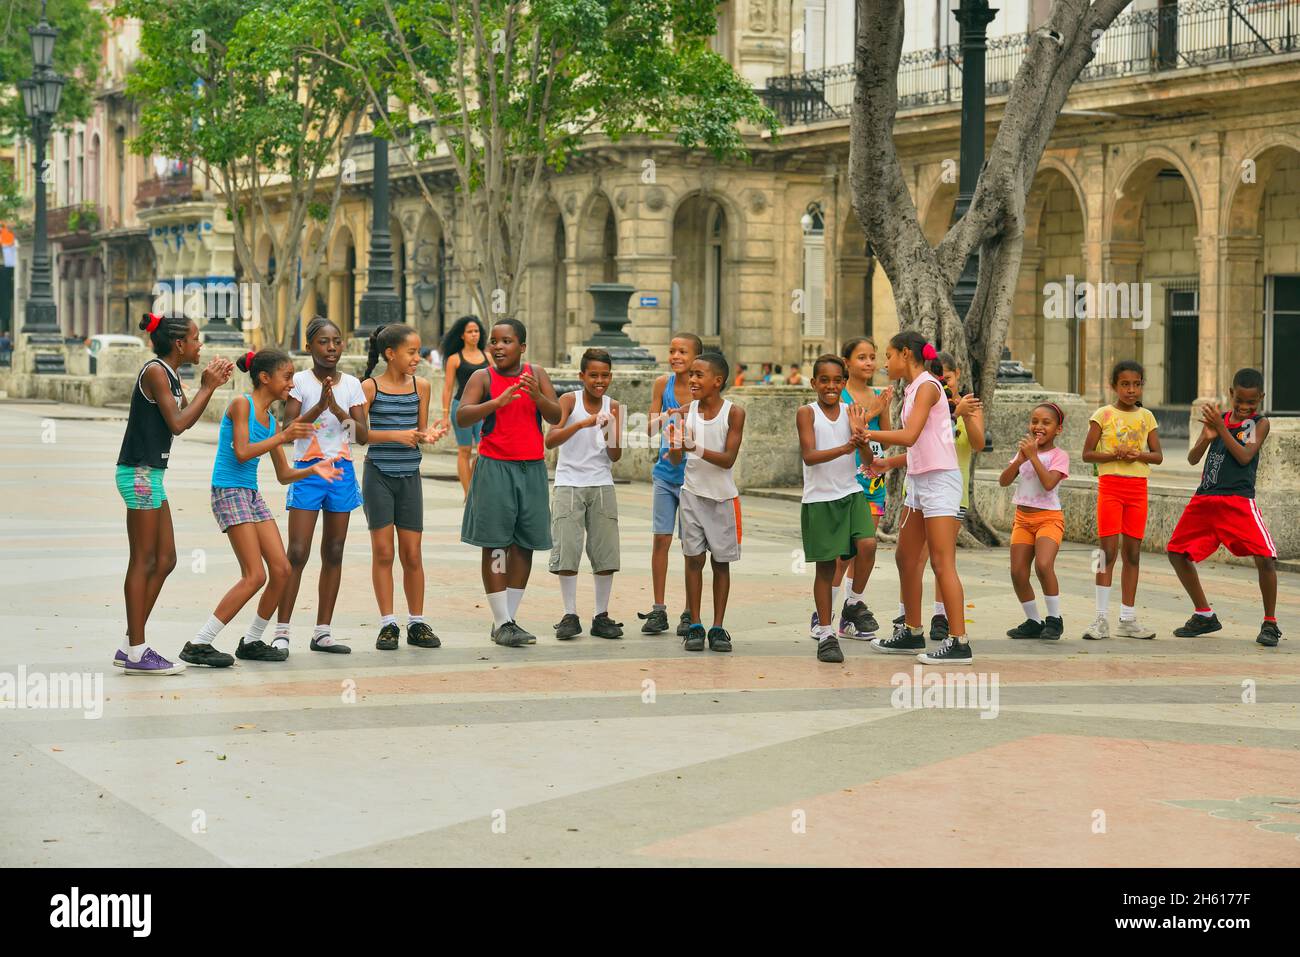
(935, 494)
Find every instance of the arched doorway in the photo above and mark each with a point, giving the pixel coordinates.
(597, 260)
(701, 270)
(342, 280)
(428, 285)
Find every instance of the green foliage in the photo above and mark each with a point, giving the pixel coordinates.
(77, 56)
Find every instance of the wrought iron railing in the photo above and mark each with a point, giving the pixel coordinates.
(1192, 33)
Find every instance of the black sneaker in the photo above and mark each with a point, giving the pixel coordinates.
(902, 642)
(569, 627)
(202, 653)
(951, 652)
(939, 628)
(683, 624)
(602, 626)
(422, 636)
(1268, 636)
(510, 635)
(1028, 629)
(333, 647)
(719, 640)
(1198, 625)
(694, 639)
(900, 620)
(1053, 628)
(655, 622)
(528, 636)
(258, 650)
(863, 621)
(388, 637)
(828, 650)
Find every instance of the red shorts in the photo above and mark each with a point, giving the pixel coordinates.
(1232, 521)
(1122, 505)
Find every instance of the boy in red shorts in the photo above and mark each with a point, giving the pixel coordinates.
(1223, 509)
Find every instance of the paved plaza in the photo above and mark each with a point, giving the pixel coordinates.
(612, 753)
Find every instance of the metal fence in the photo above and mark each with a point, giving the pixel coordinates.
(1144, 42)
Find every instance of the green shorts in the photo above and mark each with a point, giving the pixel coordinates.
(584, 512)
(507, 505)
(141, 487)
(830, 528)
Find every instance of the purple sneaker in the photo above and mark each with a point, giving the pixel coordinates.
(120, 659)
(152, 663)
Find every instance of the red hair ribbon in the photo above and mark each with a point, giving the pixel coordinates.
(154, 321)
(929, 352)
(248, 359)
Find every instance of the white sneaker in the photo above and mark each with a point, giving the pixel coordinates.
(1131, 629)
(1099, 629)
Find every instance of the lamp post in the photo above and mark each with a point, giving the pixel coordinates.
(973, 16)
(41, 94)
(380, 304)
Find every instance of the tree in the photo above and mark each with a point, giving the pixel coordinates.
(235, 85)
(922, 276)
(501, 90)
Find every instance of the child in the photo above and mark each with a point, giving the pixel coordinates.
(584, 501)
(507, 514)
(934, 493)
(795, 377)
(708, 519)
(1223, 509)
(1123, 442)
(1039, 525)
(336, 406)
(247, 433)
(398, 407)
(670, 394)
(834, 518)
(159, 412)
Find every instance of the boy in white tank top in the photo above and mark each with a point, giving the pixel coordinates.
(708, 516)
(583, 502)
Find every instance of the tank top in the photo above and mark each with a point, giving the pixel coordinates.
(514, 431)
(228, 471)
(464, 371)
(664, 468)
(395, 412)
(582, 460)
(961, 444)
(1224, 475)
(704, 478)
(934, 450)
(873, 486)
(836, 479)
(148, 440)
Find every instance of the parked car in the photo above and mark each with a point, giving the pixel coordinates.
(100, 343)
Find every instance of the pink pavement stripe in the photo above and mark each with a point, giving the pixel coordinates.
(1028, 803)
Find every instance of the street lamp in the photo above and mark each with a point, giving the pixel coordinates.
(380, 304)
(41, 94)
(974, 17)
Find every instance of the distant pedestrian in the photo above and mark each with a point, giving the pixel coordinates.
(795, 377)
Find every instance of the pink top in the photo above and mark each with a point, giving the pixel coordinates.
(935, 450)
(1030, 492)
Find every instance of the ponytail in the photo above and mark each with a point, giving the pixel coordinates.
(164, 331)
(381, 340)
(922, 352)
(267, 360)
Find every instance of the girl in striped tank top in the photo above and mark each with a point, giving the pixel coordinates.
(397, 404)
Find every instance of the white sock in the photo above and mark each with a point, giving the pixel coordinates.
(901, 610)
(824, 632)
(126, 644)
(208, 633)
(1208, 613)
(569, 593)
(387, 620)
(939, 609)
(1103, 600)
(136, 652)
(515, 596)
(1127, 612)
(320, 634)
(281, 639)
(1053, 605)
(854, 597)
(837, 592)
(414, 619)
(1031, 610)
(256, 629)
(500, 606)
(604, 585)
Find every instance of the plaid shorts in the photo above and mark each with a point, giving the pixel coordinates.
(238, 506)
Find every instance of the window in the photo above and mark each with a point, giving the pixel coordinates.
(1182, 341)
(1281, 339)
(713, 276)
(814, 274)
(814, 34)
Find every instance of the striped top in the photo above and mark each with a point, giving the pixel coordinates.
(396, 413)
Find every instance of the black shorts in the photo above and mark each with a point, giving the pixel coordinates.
(392, 499)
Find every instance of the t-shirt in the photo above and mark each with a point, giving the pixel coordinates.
(1224, 475)
(961, 441)
(1123, 430)
(1030, 491)
(331, 438)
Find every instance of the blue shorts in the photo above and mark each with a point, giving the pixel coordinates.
(468, 435)
(313, 493)
(663, 519)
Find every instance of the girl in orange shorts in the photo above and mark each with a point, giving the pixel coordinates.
(1039, 524)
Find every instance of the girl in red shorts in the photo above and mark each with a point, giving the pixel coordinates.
(1123, 443)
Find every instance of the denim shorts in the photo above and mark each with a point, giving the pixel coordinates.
(465, 435)
(663, 516)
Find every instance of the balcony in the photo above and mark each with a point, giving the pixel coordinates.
(167, 190)
(73, 225)
(1143, 43)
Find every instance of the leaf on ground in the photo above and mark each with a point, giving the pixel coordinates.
(221, 757)
(56, 749)
(244, 727)
(181, 761)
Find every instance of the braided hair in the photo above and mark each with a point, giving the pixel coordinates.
(164, 331)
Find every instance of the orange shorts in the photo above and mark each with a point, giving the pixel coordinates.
(1028, 526)
(1122, 506)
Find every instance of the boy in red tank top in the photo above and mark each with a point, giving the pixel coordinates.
(507, 512)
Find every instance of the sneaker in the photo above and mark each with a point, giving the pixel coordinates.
(1269, 634)
(528, 636)
(856, 621)
(333, 648)
(1027, 629)
(812, 627)
(1098, 630)
(683, 624)
(421, 636)
(939, 628)
(569, 627)
(152, 663)
(900, 620)
(202, 653)
(950, 652)
(258, 650)
(719, 640)
(655, 622)
(903, 642)
(828, 650)
(120, 658)
(1131, 629)
(1053, 628)
(388, 636)
(694, 640)
(1197, 625)
(510, 635)
(602, 626)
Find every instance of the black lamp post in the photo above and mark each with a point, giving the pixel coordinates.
(974, 17)
(380, 304)
(41, 94)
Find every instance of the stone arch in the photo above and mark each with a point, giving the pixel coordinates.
(545, 299)
(596, 250)
(1244, 205)
(429, 261)
(1129, 197)
(939, 206)
(703, 269)
(342, 270)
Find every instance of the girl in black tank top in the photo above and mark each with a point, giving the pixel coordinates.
(467, 335)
